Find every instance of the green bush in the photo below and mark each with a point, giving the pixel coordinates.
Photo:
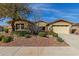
(21, 33)
(15, 32)
(50, 33)
(60, 39)
(1, 37)
(7, 39)
(27, 36)
(43, 34)
(55, 34)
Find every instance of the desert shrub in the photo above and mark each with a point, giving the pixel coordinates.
(6, 30)
(1, 37)
(60, 39)
(21, 33)
(7, 39)
(43, 34)
(27, 36)
(15, 32)
(50, 33)
(55, 34)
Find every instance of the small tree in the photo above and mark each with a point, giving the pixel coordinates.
(36, 17)
(14, 11)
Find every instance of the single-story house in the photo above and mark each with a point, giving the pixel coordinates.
(60, 26)
(25, 25)
(20, 24)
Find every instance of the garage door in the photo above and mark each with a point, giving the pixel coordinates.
(61, 29)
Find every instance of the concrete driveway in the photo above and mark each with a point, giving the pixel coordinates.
(71, 39)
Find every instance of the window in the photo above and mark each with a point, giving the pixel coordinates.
(22, 26)
(19, 26)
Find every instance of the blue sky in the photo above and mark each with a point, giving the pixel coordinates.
(53, 11)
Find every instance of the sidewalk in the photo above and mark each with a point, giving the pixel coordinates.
(38, 51)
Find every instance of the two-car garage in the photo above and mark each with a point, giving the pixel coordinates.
(61, 29)
(61, 26)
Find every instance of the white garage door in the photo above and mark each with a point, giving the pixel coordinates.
(61, 29)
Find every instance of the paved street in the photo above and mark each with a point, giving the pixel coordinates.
(72, 50)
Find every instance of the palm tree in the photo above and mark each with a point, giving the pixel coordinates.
(14, 11)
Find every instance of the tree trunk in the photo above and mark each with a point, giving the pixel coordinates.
(13, 27)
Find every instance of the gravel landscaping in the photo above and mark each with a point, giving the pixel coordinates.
(34, 41)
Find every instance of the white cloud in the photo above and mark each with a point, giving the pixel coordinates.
(44, 7)
(48, 10)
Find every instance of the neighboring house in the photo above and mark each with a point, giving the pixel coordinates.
(60, 26)
(21, 24)
(1, 28)
(9, 27)
(41, 25)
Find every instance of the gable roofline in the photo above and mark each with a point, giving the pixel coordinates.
(10, 21)
(40, 21)
(59, 21)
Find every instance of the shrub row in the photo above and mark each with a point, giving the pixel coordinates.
(43, 34)
(21, 33)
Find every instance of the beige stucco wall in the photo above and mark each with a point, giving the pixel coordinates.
(41, 24)
(63, 30)
(60, 29)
